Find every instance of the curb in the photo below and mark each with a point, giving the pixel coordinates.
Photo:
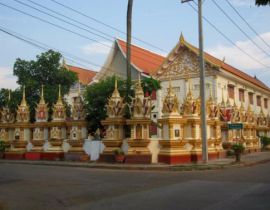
(188, 167)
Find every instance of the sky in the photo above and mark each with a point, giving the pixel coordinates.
(158, 23)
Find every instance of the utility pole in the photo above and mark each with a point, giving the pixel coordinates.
(202, 85)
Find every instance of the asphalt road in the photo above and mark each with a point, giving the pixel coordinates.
(50, 187)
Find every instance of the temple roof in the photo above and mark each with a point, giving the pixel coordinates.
(84, 75)
(221, 64)
(143, 59)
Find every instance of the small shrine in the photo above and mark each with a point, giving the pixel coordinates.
(192, 127)
(40, 131)
(57, 130)
(172, 143)
(114, 124)
(6, 119)
(140, 121)
(22, 132)
(214, 143)
(77, 130)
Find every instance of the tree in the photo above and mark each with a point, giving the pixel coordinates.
(262, 2)
(46, 70)
(15, 98)
(96, 98)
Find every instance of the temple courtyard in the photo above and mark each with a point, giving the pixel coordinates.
(54, 187)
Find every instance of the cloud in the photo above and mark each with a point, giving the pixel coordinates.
(7, 80)
(243, 2)
(96, 48)
(238, 59)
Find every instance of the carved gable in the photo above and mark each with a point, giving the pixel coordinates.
(183, 63)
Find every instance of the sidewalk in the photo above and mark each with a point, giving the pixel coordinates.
(246, 160)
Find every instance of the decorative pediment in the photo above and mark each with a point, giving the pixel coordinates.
(183, 62)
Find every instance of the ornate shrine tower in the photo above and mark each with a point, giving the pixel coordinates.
(40, 131)
(192, 128)
(6, 120)
(172, 144)
(114, 125)
(22, 133)
(57, 130)
(140, 121)
(77, 129)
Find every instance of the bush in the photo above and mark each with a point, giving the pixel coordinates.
(2, 146)
(226, 145)
(118, 151)
(238, 147)
(265, 141)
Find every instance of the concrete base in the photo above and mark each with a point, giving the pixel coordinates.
(174, 159)
(76, 156)
(139, 159)
(52, 155)
(33, 155)
(107, 158)
(14, 155)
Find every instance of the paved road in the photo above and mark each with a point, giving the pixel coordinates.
(49, 187)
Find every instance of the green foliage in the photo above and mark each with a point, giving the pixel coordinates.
(118, 151)
(96, 97)
(16, 97)
(227, 145)
(262, 2)
(2, 146)
(238, 147)
(47, 70)
(265, 141)
(150, 84)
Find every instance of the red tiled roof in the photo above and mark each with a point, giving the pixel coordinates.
(145, 60)
(84, 75)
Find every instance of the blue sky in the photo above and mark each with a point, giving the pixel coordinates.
(158, 22)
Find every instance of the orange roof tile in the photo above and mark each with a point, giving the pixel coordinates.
(145, 60)
(84, 75)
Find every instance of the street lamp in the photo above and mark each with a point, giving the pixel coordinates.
(202, 84)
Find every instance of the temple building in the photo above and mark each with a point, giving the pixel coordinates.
(228, 85)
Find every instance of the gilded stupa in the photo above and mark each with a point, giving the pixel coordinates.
(23, 113)
(59, 110)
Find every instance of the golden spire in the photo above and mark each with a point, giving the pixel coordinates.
(182, 39)
(138, 88)
(23, 102)
(42, 101)
(249, 109)
(59, 100)
(115, 92)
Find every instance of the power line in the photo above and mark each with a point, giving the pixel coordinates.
(46, 47)
(72, 19)
(107, 25)
(73, 32)
(250, 27)
(228, 39)
(236, 25)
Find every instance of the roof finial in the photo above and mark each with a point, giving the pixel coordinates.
(182, 39)
(42, 95)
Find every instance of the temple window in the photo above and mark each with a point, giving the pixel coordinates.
(266, 103)
(231, 91)
(259, 101)
(241, 95)
(250, 97)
